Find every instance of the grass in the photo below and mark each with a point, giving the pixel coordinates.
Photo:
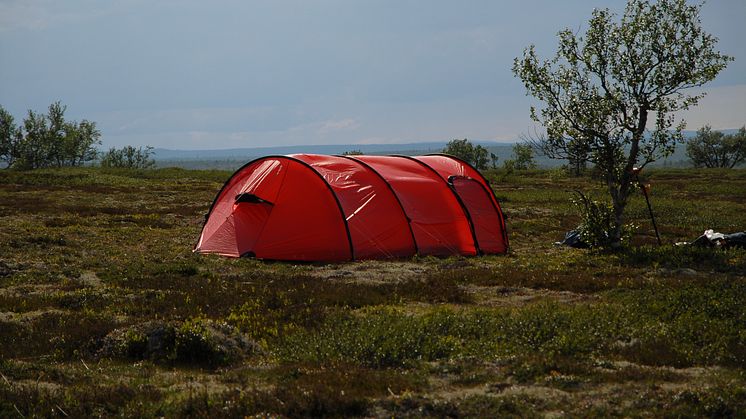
(105, 311)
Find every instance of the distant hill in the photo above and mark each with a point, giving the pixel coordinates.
(235, 157)
(254, 152)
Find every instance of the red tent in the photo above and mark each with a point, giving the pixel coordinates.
(308, 207)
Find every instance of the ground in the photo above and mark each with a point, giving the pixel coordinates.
(105, 310)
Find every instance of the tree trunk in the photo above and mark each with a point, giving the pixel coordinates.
(619, 203)
(620, 196)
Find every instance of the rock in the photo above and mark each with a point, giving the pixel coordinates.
(5, 269)
(160, 342)
(200, 341)
(686, 272)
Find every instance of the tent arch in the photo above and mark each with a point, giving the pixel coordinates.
(455, 195)
(439, 224)
(393, 193)
(336, 199)
(377, 229)
(473, 172)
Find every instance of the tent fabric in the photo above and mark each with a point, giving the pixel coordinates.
(308, 207)
(450, 168)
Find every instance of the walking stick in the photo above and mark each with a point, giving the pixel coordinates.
(636, 172)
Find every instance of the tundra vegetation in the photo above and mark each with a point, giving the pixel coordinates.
(105, 311)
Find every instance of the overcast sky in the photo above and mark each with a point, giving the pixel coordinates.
(221, 74)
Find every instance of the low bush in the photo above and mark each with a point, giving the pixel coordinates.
(689, 324)
(686, 257)
(389, 337)
(196, 341)
(598, 223)
(57, 334)
(377, 338)
(128, 157)
(696, 325)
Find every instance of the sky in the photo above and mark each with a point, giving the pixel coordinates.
(193, 74)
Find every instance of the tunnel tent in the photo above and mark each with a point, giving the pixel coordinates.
(308, 207)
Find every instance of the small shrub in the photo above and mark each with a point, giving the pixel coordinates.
(128, 157)
(388, 337)
(60, 334)
(197, 341)
(597, 223)
(504, 407)
(80, 401)
(721, 401)
(211, 343)
(135, 344)
(153, 341)
(435, 288)
(284, 401)
(43, 240)
(558, 173)
(268, 316)
(692, 257)
(381, 338)
(689, 324)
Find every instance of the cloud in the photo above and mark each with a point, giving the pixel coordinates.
(41, 14)
(338, 125)
(227, 119)
(282, 125)
(18, 14)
